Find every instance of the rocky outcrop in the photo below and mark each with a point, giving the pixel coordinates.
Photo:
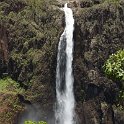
(98, 34)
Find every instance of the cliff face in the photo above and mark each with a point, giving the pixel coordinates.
(28, 46)
(3, 49)
(33, 29)
(98, 34)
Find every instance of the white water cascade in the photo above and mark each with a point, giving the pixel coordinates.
(64, 113)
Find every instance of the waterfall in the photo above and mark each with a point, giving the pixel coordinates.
(64, 76)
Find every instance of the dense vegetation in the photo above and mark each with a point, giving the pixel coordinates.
(114, 68)
(31, 32)
(7, 85)
(33, 122)
(32, 35)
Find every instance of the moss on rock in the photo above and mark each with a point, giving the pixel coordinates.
(10, 105)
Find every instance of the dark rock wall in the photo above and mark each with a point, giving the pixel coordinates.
(3, 50)
(98, 33)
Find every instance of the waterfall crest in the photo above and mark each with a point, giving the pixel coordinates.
(64, 76)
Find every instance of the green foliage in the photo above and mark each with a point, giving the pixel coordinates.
(8, 85)
(120, 99)
(33, 28)
(9, 101)
(114, 66)
(115, 2)
(33, 122)
(112, 1)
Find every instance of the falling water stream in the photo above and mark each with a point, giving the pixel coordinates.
(64, 74)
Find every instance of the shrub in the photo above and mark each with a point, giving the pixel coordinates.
(7, 85)
(33, 122)
(114, 1)
(114, 66)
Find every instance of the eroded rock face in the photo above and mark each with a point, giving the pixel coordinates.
(119, 116)
(3, 50)
(98, 34)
